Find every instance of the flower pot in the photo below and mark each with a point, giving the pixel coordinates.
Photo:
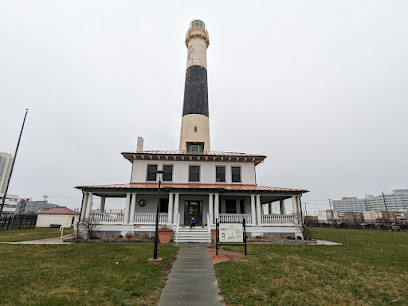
(214, 235)
(165, 235)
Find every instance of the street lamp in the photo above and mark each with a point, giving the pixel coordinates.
(156, 235)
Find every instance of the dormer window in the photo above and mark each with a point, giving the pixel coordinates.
(193, 147)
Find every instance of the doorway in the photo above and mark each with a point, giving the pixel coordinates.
(193, 209)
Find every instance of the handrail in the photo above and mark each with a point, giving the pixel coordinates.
(209, 227)
(177, 228)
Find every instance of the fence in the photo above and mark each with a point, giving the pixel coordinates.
(17, 222)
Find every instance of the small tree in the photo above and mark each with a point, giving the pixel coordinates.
(89, 226)
(302, 227)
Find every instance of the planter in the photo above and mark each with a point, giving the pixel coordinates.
(165, 235)
(214, 235)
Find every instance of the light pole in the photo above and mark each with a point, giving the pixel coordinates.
(156, 235)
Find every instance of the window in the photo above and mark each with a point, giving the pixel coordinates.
(168, 173)
(151, 173)
(236, 174)
(242, 206)
(220, 173)
(231, 206)
(194, 174)
(195, 147)
(195, 129)
(164, 205)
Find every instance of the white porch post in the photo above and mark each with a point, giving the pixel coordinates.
(176, 209)
(253, 211)
(127, 207)
(211, 208)
(89, 205)
(170, 212)
(217, 207)
(282, 207)
(259, 209)
(84, 205)
(102, 206)
(295, 207)
(132, 208)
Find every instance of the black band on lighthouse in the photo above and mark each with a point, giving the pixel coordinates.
(196, 91)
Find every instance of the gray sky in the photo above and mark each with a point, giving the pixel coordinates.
(320, 87)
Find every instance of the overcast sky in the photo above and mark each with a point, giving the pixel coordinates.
(320, 87)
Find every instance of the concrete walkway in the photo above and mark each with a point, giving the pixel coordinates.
(42, 241)
(191, 280)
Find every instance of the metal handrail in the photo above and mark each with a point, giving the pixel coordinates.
(177, 228)
(209, 227)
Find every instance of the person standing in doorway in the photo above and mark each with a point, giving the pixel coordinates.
(192, 222)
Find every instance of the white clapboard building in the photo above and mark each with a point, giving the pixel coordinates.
(197, 181)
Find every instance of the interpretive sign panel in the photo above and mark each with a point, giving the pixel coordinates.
(231, 232)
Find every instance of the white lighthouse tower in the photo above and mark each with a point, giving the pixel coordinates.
(195, 127)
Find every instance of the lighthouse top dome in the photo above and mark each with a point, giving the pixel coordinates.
(197, 23)
(197, 29)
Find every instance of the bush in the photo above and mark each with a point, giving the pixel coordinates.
(129, 235)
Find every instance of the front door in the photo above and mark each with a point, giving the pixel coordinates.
(193, 209)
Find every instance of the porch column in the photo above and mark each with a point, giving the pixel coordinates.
(253, 211)
(89, 205)
(176, 209)
(127, 208)
(217, 206)
(259, 209)
(170, 212)
(84, 205)
(132, 209)
(282, 207)
(211, 208)
(270, 208)
(295, 207)
(102, 206)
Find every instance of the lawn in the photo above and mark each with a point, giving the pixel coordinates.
(370, 269)
(31, 234)
(82, 274)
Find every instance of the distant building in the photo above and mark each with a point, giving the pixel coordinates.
(328, 216)
(10, 205)
(34, 207)
(6, 160)
(60, 215)
(353, 217)
(396, 201)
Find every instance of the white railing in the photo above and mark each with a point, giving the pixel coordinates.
(177, 228)
(236, 218)
(209, 228)
(105, 217)
(150, 218)
(277, 219)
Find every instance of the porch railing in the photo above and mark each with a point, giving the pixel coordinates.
(117, 218)
(236, 218)
(150, 218)
(104, 217)
(277, 219)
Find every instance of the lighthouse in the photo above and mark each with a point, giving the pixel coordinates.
(195, 127)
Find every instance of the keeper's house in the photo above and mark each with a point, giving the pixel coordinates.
(196, 182)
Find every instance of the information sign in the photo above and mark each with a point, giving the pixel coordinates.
(231, 232)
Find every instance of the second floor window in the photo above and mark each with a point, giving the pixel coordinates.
(220, 173)
(194, 174)
(151, 173)
(168, 173)
(236, 174)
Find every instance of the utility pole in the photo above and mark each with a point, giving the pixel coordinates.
(12, 165)
(331, 212)
(386, 209)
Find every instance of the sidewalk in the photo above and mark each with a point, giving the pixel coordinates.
(42, 241)
(192, 280)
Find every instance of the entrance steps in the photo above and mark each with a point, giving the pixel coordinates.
(196, 234)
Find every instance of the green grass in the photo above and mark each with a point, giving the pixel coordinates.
(82, 274)
(370, 269)
(31, 234)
